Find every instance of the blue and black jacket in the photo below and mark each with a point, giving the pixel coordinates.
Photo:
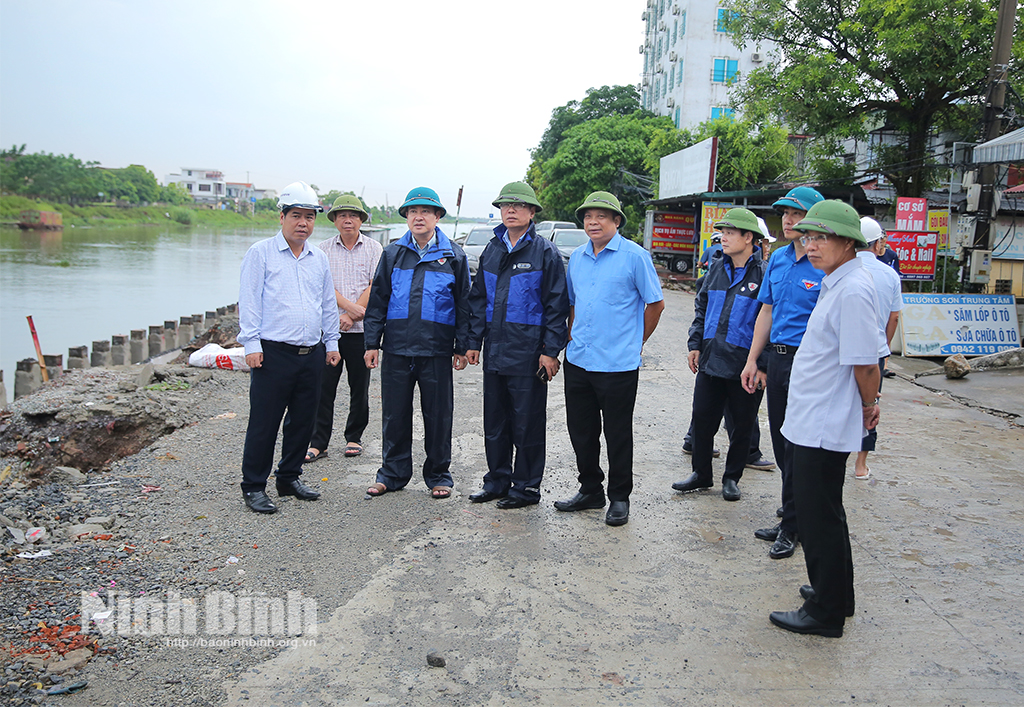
(519, 304)
(419, 306)
(725, 312)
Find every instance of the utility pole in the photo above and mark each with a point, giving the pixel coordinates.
(994, 102)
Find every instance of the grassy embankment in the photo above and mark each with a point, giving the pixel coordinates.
(109, 215)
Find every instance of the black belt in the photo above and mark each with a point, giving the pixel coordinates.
(300, 350)
(784, 350)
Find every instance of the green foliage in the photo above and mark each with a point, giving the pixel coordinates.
(591, 156)
(847, 66)
(175, 194)
(826, 163)
(598, 103)
(182, 216)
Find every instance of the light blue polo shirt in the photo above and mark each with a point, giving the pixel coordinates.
(609, 292)
(791, 287)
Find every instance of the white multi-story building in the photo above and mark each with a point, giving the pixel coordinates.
(690, 61)
(205, 185)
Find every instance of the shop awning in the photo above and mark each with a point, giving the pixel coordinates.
(1005, 148)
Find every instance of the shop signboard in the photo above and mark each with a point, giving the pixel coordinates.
(942, 325)
(916, 251)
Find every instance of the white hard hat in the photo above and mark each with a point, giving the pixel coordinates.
(764, 230)
(299, 195)
(870, 229)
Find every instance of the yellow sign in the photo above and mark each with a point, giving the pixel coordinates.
(709, 213)
(938, 221)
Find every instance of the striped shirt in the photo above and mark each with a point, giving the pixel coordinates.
(352, 270)
(284, 298)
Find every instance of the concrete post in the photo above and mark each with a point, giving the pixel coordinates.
(138, 345)
(120, 354)
(54, 365)
(221, 312)
(170, 334)
(184, 331)
(197, 325)
(156, 341)
(78, 357)
(233, 308)
(28, 378)
(3, 391)
(211, 319)
(100, 353)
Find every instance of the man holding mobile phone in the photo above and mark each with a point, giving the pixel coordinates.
(518, 309)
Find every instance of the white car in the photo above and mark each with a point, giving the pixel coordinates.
(544, 228)
(474, 244)
(567, 240)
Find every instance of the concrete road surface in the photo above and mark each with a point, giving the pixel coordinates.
(533, 606)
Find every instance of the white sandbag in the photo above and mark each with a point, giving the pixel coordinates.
(216, 356)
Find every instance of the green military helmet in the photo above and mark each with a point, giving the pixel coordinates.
(517, 193)
(835, 218)
(601, 200)
(422, 196)
(742, 220)
(348, 202)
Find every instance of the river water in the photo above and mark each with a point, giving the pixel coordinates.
(86, 284)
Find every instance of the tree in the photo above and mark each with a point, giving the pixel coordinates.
(599, 154)
(847, 67)
(748, 154)
(598, 103)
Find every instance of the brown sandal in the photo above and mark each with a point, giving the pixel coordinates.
(377, 489)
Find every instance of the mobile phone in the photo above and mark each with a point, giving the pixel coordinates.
(542, 373)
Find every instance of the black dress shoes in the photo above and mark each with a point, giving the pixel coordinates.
(800, 621)
(769, 534)
(730, 491)
(581, 502)
(784, 545)
(259, 502)
(513, 502)
(778, 512)
(807, 594)
(692, 483)
(295, 487)
(484, 496)
(618, 513)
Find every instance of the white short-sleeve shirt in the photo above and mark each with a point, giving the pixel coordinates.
(888, 292)
(824, 406)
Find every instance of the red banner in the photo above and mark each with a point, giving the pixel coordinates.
(911, 214)
(916, 251)
(672, 232)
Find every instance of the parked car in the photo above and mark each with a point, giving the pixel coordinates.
(567, 240)
(544, 228)
(474, 243)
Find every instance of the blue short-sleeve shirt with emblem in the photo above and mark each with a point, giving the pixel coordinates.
(791, 287)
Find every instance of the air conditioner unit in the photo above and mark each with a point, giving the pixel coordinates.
(670, 102)
(756, 57)
(645, 81)
(672, 56)
(675, 10)
(641, 49)
(659, 70)
(661, 26)
(643, 17)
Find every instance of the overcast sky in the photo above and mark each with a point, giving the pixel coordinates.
(376, 97)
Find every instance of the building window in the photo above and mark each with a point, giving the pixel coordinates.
(679, 73)
(682, 25)
(204, 187)
(654, 96)
(664, 88)
(672, 77)
(188, 185)
(677, 116)
(675, 31)
(719, 111)
(190, 173)
(724, 18)
(659, 48)
(724, 70)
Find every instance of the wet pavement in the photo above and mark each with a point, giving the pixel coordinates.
(533, 606)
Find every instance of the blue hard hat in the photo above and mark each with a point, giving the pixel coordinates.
(802, 198)
(422, 196)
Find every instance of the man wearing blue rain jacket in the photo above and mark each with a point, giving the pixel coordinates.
(519, 306)
(419, 306)
(720, 337)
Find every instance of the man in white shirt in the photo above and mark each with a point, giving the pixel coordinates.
(827, 416)
(889, 293)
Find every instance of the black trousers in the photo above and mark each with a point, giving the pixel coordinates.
(818, 476)
(868, 443)
(755, 437)
(351, 348)
(286, 381)
(596, 398)
(780, 366)
(399, 375)
(712, 397)
(515, 415)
